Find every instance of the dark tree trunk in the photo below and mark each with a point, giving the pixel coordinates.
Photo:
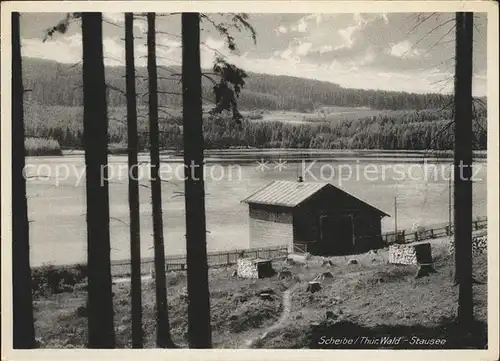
(95, 136)
(199, 330)
(133, 185)
(463, 166)
(163, 338)
(23, 332)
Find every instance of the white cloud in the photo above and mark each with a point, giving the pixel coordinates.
(119, 19)
(367, 59)
(68, 49)
(301, 26)
(347, 33)
(347, 36)
(214, 43)
(325, 49)
(64, 49)
(114, 52)
(404, 49)
(282, 29)
(316, 17)
(303, 48)
(287, 54)
(386, 19)
(354, 67)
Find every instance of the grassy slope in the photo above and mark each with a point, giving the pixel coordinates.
(41, 146)
(371, 296)
(332, 115)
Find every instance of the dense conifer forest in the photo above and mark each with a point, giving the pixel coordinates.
(415, 121)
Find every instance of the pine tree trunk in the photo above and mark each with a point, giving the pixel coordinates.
(95, 135)
(163, 338)
(463, 166)
(23, 332)
(199, 329)
(133, 185)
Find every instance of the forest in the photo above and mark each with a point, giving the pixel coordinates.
(412, 130)
(53, 108)
(54, 111)
(53, 83)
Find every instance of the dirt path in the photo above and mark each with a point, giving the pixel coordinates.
(287, 307)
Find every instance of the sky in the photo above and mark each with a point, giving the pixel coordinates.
(410, 52)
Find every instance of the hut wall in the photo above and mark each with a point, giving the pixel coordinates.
(367, 231)
(270, 226)
(306, 226)
(306, 222)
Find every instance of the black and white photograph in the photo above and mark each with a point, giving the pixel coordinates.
(203, 178)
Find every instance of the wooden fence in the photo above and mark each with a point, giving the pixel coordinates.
(215, 259)
(405, 236)
(424, 234)
(227, 258)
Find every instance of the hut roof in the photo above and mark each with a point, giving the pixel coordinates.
(291, 194)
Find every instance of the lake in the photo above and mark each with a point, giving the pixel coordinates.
(56, 196)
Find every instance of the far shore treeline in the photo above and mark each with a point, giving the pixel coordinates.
(54, 115)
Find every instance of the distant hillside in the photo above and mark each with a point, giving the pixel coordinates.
(410, 130)
(53, 83)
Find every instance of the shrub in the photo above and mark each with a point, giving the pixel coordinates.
(252, 314)
(50, 279)
(117, 148)
(41, 146)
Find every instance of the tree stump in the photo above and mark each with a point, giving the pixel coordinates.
(284, 274)
(326, 263)
(424, 270)
(325, 275)
(313, 286)
(266, 297)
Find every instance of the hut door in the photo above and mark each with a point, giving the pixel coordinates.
(327, 234)
(343, 234)
(336, 234)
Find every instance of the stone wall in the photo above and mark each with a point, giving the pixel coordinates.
(479, 245)
(419, 253)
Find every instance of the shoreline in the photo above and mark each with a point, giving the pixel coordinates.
(242, 154)
(178, 259)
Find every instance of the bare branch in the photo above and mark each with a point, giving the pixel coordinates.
(169, 93)
(427, 34)
(119, 220)
(117, 120)
(75, 65)
(169, 34)
(115, 89)
(209, 78)
(165, 68)
(420, 22)
(111, 23)
(439, 41)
